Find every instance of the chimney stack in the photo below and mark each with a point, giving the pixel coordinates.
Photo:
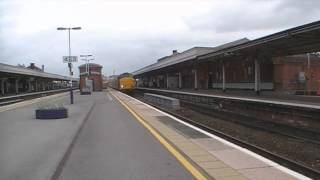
(174, 52)
(42, 68)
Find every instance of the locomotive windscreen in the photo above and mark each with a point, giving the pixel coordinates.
(124, 75)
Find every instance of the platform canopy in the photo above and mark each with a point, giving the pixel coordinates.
(297, 40)
(5, 68)
(190, 54)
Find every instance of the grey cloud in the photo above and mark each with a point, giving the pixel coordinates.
(305, 6)
(131, 51)
(253, 16)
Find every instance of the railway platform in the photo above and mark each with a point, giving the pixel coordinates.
(265, 97)
(110, 135)
(31, 149)
(212, 156)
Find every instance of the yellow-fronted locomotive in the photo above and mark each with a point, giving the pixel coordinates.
(124, 82)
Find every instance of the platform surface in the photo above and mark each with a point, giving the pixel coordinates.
(30, 149)
(218, 158)
(114, 144)
(272, 97)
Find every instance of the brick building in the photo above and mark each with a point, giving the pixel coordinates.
(289, 74)
(260, 64)
(91, 72)
(297, 73)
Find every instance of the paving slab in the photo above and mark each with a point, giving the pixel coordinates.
(265, 173)
(211, 144)
(213, 165)
(223, 172)
(151, 113)
(204, 158)
(238, 160)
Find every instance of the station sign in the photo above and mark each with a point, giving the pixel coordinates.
(69, 59)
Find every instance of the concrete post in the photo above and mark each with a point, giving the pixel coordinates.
(167, 79)
(17, 86)
(2, 87)
(158, 81)
(36, 85)
(180, 80)
(257, 76)
(195, 79)
(29, 86)
(7, 86)
(223, 77)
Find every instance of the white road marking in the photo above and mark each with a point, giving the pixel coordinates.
(257, 156)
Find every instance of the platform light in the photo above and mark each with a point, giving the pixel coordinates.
(87, 62)
(70, 64)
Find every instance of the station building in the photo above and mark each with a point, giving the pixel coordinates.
(277, 62)
(93, 72)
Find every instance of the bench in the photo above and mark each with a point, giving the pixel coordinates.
(162, 100)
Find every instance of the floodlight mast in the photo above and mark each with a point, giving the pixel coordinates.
(70, 63)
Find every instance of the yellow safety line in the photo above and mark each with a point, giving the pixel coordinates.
(194, 171)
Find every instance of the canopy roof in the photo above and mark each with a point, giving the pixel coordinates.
(297, 40)
(187, 55)
(29, 72)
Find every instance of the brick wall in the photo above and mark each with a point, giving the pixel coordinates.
(95, 75)
(287, 70)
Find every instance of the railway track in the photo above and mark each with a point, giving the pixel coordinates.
(269, 126)
(6, 100)
(296, 166)
(286, 125)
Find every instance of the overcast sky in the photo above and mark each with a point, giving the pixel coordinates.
(127, 35)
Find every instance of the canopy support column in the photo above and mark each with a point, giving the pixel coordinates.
(257, 76)
(223, 77)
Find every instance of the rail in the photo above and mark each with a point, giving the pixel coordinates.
(20, 97)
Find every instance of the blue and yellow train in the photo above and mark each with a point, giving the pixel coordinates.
(124, 82)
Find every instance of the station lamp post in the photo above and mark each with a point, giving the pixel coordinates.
(89, 65)
(87, 62)
(70, 62)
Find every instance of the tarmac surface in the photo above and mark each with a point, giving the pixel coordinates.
(111, 145)
(114, 145)
(30, 149)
